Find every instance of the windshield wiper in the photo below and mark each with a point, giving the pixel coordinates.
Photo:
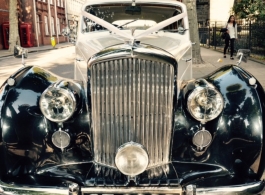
(128, 23)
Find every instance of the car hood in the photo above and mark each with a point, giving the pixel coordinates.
(97, 41)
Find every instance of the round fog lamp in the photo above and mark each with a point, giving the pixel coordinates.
(61, 139)
(131, 159)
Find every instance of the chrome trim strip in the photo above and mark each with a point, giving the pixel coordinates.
(133, 190)
(14, 190)
(251, 188)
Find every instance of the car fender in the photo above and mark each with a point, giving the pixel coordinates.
(237, 133)
(24, 129)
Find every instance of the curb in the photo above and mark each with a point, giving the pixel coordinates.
(249, 58)
(256, 60)
(38, 49)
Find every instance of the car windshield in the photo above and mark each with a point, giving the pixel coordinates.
(126, 16)
(129, 24)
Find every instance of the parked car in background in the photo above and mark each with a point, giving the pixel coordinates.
(134, 120)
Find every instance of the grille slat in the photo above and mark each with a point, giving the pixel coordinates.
(142, 99)
(155, 109)
(132, 101)
(151, 122)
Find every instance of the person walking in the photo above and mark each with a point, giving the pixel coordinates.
(232, 36)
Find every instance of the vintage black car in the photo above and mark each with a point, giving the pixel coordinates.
(134, 120)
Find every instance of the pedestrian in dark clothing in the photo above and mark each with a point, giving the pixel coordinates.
(232, 32)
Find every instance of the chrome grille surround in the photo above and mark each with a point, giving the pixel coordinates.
(132, 100)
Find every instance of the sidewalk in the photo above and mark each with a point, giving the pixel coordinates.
(6, 53)
(214, 60)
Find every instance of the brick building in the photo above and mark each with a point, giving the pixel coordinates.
(4, 17)
(41, 21)
(50, 19)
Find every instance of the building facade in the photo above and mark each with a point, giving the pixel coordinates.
(4, 17)
(48, 18)
(73, 10)
(203, 12)
(40, 21)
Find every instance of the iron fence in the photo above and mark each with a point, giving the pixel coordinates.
(251, 35)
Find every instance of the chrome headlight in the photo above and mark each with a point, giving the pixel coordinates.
(131, 159)
(205, 103)
(57, 104)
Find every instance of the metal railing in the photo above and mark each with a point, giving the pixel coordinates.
(251, 35)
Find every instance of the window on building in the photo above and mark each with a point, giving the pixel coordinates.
(38, 24)
(52, 25)
(58, 26)
(58, 3)
(46, 25)
(44, 0)
(51, 1)
(62, 3)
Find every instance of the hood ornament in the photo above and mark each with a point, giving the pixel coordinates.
(132, 31)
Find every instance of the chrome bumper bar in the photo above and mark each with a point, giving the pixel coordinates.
(250, 188)
(74, 189)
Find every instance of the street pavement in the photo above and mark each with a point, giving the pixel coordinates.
(5, 53)
(212, 60)
(58, 61)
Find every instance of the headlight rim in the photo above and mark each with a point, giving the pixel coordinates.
(197, 90)
(66, 90)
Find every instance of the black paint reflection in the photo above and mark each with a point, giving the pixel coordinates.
(237, 132)
(26, 133)
(31, 158)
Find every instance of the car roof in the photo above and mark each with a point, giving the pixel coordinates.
(163, 2)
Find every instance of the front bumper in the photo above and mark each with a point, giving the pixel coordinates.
(74, 189)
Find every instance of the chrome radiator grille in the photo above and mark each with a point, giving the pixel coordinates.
(132, 101)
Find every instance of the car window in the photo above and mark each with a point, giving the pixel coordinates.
(125, 16)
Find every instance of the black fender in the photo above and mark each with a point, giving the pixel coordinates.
(237, 133)
(25, 134)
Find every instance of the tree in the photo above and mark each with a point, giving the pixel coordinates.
(194, 33)
(13, 25)
(250, 9)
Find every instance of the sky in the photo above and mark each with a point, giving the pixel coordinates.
(220, 10)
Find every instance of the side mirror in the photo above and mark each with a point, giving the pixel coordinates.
(70, 33)
(181, 30)
(66, 32)
(242, 55)
(20, 52)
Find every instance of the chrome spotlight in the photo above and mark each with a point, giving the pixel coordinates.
(61, 139)
(202, 139)
(131, 159)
